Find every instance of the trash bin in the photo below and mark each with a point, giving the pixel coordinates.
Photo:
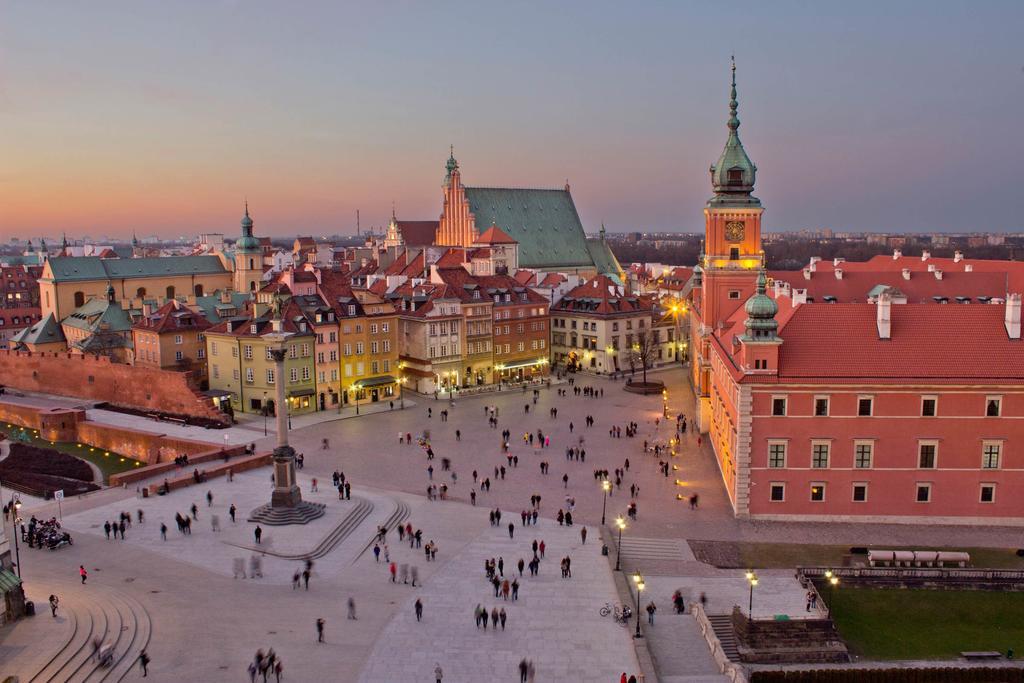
(604, 550)
(30, 608)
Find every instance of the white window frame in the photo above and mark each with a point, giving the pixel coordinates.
(771, 488)
(785, 453)
(828, 405)
(999, 407)
(871, 408)
(999, 455)
(785, 405)
(928, 442)
(935, 399)
(982, 487)
(863, 442)
(824, 491)
(927, 485)
(828, 454)
(853, 491)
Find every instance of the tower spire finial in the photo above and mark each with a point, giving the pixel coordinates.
(734, 121)
(393, 210)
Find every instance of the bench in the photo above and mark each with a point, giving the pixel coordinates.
(976, 656)
(917, 558)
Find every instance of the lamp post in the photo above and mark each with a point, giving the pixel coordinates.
(638, 579)
(607, 486)
(265, 411)
(17, 550)
(833, 581)
(401, 392)
(752, 580)
(621, 523)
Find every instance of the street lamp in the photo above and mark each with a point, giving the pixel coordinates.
(17, 550)
(833, 581)
(621, 523)
(752, 580)
(638, 579)
(607, 486)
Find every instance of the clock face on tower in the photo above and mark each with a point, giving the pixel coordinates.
(734, 231)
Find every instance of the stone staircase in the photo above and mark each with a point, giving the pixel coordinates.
(722, 625)
(303, 513)
(653, 549)
(112, 617)
(401, 513)
(350, 523)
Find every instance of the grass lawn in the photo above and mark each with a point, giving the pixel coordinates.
(108, 462)
(790, 555)
(927, 624)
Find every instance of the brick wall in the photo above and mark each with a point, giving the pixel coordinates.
(98, 379)
(54, 424)
(145, 446)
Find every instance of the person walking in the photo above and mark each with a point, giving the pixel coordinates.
(352, 608)
(53, 605)
(320, 630)
(419, 609)
(583, 535)
(511, 529)
(144, 663)
(163, 531)
(258, 533)
(231, 512)
(523, 668)
(651, 609)
(84, 574)
(438, 672)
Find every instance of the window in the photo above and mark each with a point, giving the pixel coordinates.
(79, 299)
(213, 348)
(819, 455)
(179, 356)
(615, 327)
(374, 367)
(926, 456)
(862, 453)
(387, 345)
(178, 339)
(293, 374)
(777, 454)
(247, 351)
(821, 406)
(373, 328)
(200, 353)
(305, 374)
(928, 406)
(374, 347)
(777, 492)
(347, 350)
(384, 327)
(520, 346)
(293, 351)
(234, 374)
(860, 493)
(864, 406)
(990, 452)
(988, 493)
(778, 406)
(734, 176)
(924, 493)
(270, 376)
(216, 371)
(249, 375)
(359, 348)
(734, 255)
(734, 294)
(170, 292)
(818, 492)
(993, 405)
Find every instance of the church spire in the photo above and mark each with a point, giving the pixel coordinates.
(452, 165)
(733, 175)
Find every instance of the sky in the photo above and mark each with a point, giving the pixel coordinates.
(163, 117)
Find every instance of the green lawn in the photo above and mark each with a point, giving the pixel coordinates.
(927, 624)
(108, 462)
(791, 555)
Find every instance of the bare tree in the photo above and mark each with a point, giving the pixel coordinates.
(643, 350)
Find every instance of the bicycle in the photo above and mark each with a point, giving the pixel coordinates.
(620, 615)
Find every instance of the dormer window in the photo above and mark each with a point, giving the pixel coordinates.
(252, 328)
(734, 176)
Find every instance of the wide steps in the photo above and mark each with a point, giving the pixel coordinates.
(726, 634)
(352, 520)
(401, 513)
(303, 513)
(655, 549)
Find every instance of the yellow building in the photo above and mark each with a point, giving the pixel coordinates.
(238, 354)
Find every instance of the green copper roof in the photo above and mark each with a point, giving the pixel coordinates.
(81, 268)
(733, 175)
(45, 331)
(544, 222)
(761, 309)
(603, 258)
(247, 242)
(96, 313)
(212, 307)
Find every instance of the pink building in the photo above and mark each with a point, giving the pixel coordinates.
(872, 410)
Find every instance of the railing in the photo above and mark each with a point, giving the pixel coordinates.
(913, 573)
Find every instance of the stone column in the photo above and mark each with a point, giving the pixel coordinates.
(286, 491)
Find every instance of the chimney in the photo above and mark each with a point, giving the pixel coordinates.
(938, 274)
(968, 268)
(906, 273)
(147, 310)
(931, 267)
(838, 273)
(836, 261)
(813, 262)
(884, 316)
(807, 273)
(799, 297)
(1013, 316)
(958, 256)
(896, 254)
(925, 255)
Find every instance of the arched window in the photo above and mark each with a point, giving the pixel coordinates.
(170, 292)
(79, 299)
(140, 293)
(252, 264)
(199, 290)
(252, 285)
(735, 176)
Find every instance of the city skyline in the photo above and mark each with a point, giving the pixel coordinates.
(163, 120)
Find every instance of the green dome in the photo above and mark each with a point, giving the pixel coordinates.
(247, 242)
(761, 310)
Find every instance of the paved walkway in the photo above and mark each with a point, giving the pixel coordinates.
(555, 622)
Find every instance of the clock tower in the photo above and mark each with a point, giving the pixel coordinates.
(732, 219)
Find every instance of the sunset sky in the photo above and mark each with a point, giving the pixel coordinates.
(161, 117)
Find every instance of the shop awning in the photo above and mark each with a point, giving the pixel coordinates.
(216, 393)
(8, 580)
(301, 392)
(521, 364)
(376, 381)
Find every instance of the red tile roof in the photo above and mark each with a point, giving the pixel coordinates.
(600, 295)
(885, 262)
(418, 233)
(495, 235)
(854, 285)
(920, 347)
(525, 277)
(172, 316)
(454, 257)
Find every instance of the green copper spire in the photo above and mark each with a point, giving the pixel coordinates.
(761, 309)
(451, 166)
(247, 242)
(733, 175)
